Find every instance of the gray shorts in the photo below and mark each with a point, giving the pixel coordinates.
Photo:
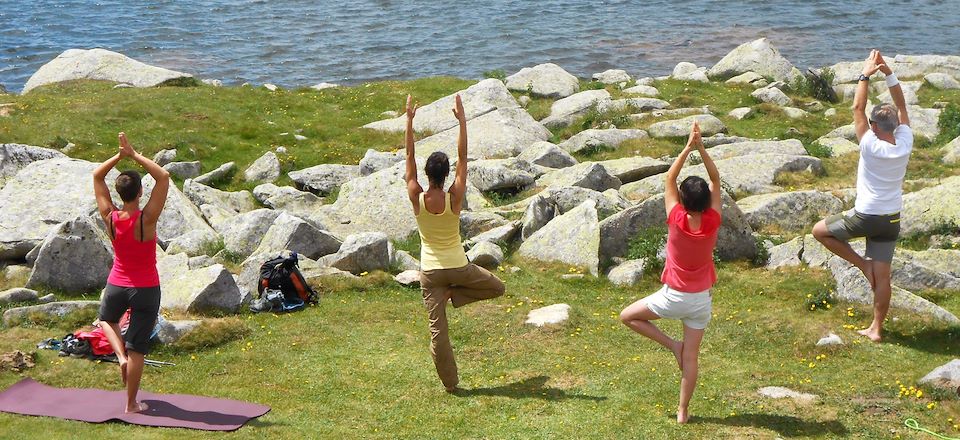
(144, 305)
(694, 309)
(881, 231)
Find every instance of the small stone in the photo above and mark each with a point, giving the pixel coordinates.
(172, 331)
(271, 87)
(786, 393)
(324, 85)
(740, 113)
(212, 82)
(299, 137)
(409, 278)
(184, 170)
(627, 273)
(553, 314)
(946, 376)
(831, 112)
(164, 157)
(572, 276)
(48, 298)
(485, 254)
(524, 101)
(19, 294)
(830, 339)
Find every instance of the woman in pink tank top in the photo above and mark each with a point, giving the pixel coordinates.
(693, 219)
(133, 282)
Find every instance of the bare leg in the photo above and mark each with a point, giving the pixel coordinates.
(688, 380)
(112, 332)
(134, 373)
(637, 316)
(843, 250)
(881, 301)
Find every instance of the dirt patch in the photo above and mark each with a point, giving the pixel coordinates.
(17, 361)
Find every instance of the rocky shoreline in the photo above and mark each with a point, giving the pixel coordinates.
(585, 213)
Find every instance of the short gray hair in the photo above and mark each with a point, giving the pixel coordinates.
(886, 117)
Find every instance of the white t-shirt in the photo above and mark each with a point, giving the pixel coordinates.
(881, 170)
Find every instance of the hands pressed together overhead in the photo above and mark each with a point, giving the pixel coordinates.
(874, 63)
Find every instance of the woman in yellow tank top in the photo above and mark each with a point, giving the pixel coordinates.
(445, 273)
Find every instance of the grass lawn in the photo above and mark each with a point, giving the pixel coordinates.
(358, 366)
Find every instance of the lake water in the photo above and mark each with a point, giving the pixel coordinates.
(300, 42)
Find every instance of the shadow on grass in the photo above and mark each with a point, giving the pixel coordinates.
(786, 426)
(930, 340)
(532, 388)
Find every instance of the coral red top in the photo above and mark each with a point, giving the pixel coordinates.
(689, 263)
(134, 261)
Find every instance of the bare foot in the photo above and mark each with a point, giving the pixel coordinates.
(123, 371)
(453, 389)
(677, 353)
(874, 335)
(682, 416)
(141, 407)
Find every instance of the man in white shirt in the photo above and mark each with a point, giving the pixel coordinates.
(885, 144)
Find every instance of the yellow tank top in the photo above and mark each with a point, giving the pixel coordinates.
(440, 245)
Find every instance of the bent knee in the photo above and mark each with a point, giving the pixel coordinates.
(820, 231)
(626, 316)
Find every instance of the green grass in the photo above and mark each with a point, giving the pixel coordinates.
(216, 125)
(357, 366)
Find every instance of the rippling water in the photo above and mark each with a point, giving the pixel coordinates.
(301, 42)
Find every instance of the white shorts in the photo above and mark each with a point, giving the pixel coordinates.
(694, 309)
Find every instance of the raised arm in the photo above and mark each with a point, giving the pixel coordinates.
(714, 174)
(671, 194)
(459, 187)
(413, 185)
(860, 123)
(104, 203)
(896, 92)
(161, 177)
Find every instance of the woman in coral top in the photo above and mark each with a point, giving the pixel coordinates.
(693, 219)
(133, 282)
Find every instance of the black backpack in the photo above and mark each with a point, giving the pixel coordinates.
(283, 273)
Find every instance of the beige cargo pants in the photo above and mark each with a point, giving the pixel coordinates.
(462, 286)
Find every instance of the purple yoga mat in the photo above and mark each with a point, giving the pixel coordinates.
(33, 398)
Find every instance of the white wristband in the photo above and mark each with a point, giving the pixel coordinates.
(892, 80)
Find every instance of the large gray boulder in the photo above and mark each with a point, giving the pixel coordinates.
(593, 139)
(100, 64)
(909, 88)
(611, 76)
(41, 196)
(501, 235)
(631, 169)
(549, 155)
(183, 170)
(709, 125)
(324, 178)
(76, 257)
(501, 174)
(771, 95)
(913, 274)
(643, 90)
(789, 211)
(179, 215)
(485, 254)
(628, 273)
(265, 169)
(539, 212)
(236, 202)
(734, 239)
(906, 66)
(734, 149)
(941, 81)
(219, 173)
(359, 253)
(18, 294)
(685, 71)
(585, 175)
(952, 151)
(564, 111)
(758, 56)
(193, 243)
(210, 289)
(164, 157)
(942, 261)
(478, 99)
(374, 161)
(929, 209)
(546, 80)
(287, 199)
(924, 122)
(294, 234)
(14, 157)
(501, 133)
(473, 223)
(568, 197)
(751, 174)
(243, 233)
(838, 146)
(945, 377)
(54, 309)
(572, 238)
(172, 330)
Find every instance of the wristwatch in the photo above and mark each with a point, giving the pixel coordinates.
(863, 77)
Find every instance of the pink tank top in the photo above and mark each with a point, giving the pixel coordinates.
(134, 261)
(689, 263)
